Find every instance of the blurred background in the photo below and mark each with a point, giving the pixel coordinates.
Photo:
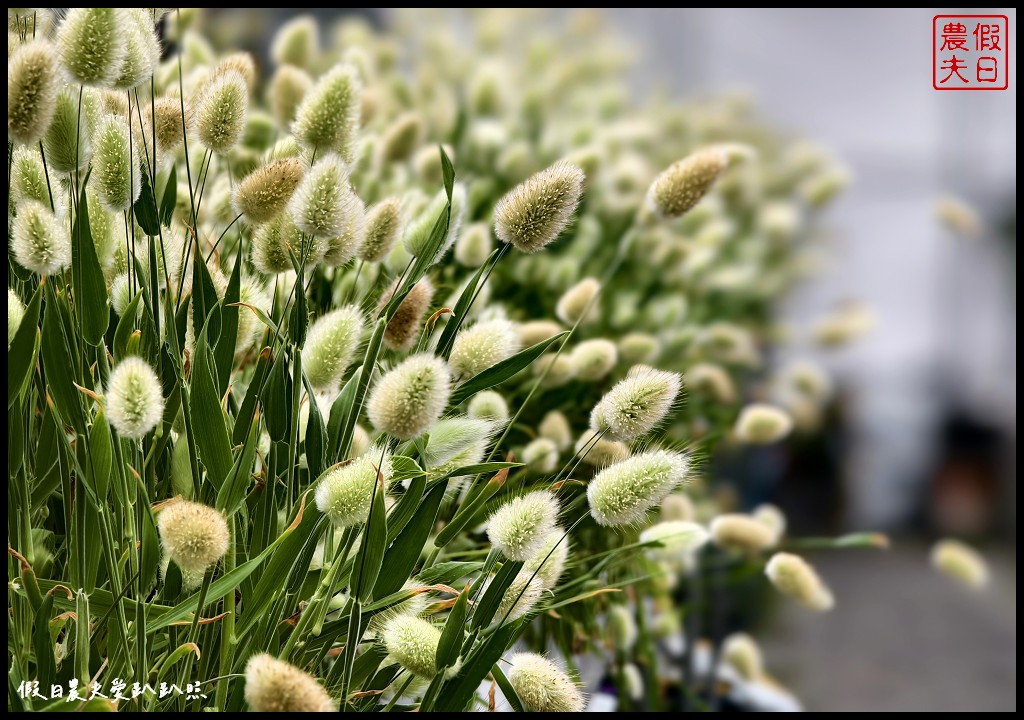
(921, 441)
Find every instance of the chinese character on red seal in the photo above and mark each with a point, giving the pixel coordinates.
(970, 52)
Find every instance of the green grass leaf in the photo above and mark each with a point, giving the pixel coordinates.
(22, 352)
(405, 551)
(87, 276)
(497, 374)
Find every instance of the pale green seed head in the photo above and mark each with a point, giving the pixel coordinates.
(345, 245)
(414, 606)
(135, 401)
(297, 43)
(960, 562)
(194, 536)
(416, 238)
(713, 380)
(92, 44)
(382, 228)
(142, 50)
(685, 182)
(600, 452)
(116, 170)
(28, 179)
(559, 370)
(622, 627)
(327, 119)
(541, 455)
(272, 241)
(678, 538)
(678, 507)
(543, 686)
(474, 245)
(321, 203)
(15, 314)
(105, 230)
(489, 405)
(170, 122)
(402, 138)
(452, 436)
(223, 106)
(345, 493)
(409, 399)
(639, 348)
(482, 345)
(741, 651)
(535, 331)
(274, 686)
(39, 240)
(412, 641)
(519, 528)
(32, 83)
(771, 517)
(68, 142)
(578, 300)
(404, 327)
(735, 531)
(265, 193)
(550, 559)
(331, 344)
(555, 427)
(535, 212)
(288, 88)
(793, 576)
(520, 599)
(121, 295)
(622, 493)
(760, 424)
(636, 404)
(594, 359)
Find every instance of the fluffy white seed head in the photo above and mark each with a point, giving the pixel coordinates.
(135, 401)
(741, 651)
(622, 493)
(404, 327)
(489, 405)
(92, 44)
(272, 241)
(549, 561)
(678, 506)
(555, 427)
(760, 424)
(678, 538)
(481, 346)
(104, 228)
(593, 359)
(288, 87)
(960, 562)
(474, 245)
(600, 452)
(345, 493)
(327, 119)
(116, 173)
(222, 111)
(793, 576)
(297, 42)
(382, 228)
(32, 83)
(771, 517)
(142, 50)
(320, 204)
(412, 641)
(810, 381)
(622, 627)
(166, 118)
(345, 245)
(15, 314)
(677, 189)
(194, 536)
(68, 142)
(577, 300)
(39, 240)
(331, 343)
(519, 528)
(520, 599)
(28, 179)
(416, 238)
(634, 681)
(121, 294)
(542, 686)
(272, 685)
(265, 192)
(450, 437)
(636, 404)
(409, 399)
(535, 331)
(742, 532)
(713, 380)
(541, 455)
(534, 213)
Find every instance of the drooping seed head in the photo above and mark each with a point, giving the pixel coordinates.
(404, 327)
(412, 641)
(543, 686)
(320, 203)
(263, 194)
(92, 44)
(450, 437)
(742, 532)
(535, 331)
(331, 343)
(678, 507)
(636, 404)
(409, 399)
(622, 627)
(15, 314)
(550, 559)
(194, 536)
(135, 401)
(557, 370)
(288, 88)
(344, 493)
(489, 405)
(297, 42)
(622, 493)
(345, 245)
(760, 424)
(593, 359)
(534, 213)
(577, 300)
(600, 452)
(481, 346)
(39, 240)
(68, 142)
(382, 228)
(402, 138)
(520, 599)
(771, 517)
(555, 427)
(793, 576)
(222, 111)
(741, 651)
(116, 173)
(520, 527)
(417, 236)
(677, 538)
(474, 245)
(327, 119)
(32, 83)
(541, 455)
(142, 50)
(272, 685)
(960, 562)
(677, 189)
